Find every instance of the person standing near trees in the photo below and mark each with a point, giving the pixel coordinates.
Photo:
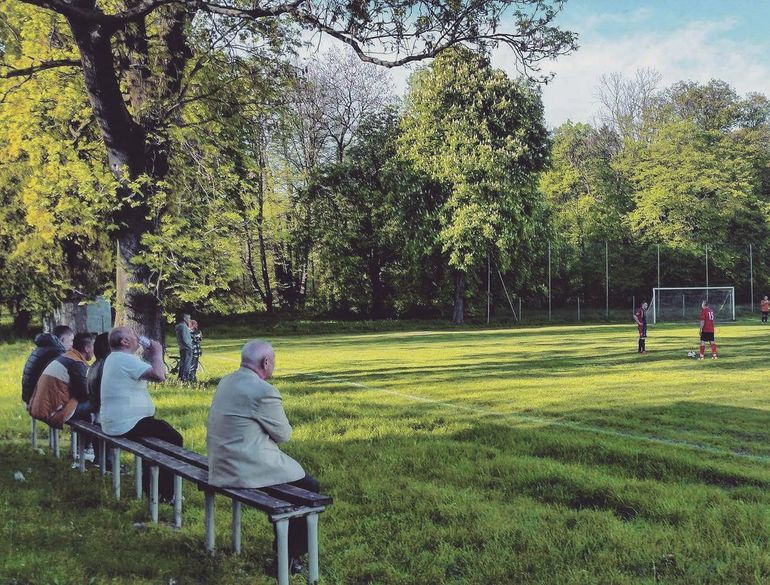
(184, 340)
(641, 323)
(764, 308)
(197, 349)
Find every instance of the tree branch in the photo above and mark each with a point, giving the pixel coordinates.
(277, 10)
(28, 71)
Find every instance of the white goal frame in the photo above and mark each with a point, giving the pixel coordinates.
(654, 304)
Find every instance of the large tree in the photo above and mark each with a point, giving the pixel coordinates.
(139, 60)
(481, 136)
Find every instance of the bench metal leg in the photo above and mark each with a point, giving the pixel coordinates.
(138, 476)
(312, 548)
(177, 501)
(235, 537)
(73, 445)
(116, 473)
(210, 532)
(34, 432)
(81, 452)
(103, 457)
(282, 553)
(154, 472)
(55, 442)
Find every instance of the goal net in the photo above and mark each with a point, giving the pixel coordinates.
(684, 304)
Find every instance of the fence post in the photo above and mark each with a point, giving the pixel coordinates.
(489, 285)
(751, 277)
(549, 281)
(606, 280)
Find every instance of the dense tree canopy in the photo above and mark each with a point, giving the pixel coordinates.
(209, 168)
(144, 62)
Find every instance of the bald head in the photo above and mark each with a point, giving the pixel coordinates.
(258, 356)
(123, 339)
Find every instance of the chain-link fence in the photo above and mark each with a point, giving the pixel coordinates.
(606, 281)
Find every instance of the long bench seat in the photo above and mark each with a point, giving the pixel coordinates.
(281, 502)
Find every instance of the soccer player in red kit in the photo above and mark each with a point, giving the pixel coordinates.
(640, 316)
(707, 330)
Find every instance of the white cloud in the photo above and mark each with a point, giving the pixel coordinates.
(598, 19)
(698, 51)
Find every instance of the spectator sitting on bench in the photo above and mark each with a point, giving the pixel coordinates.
(101, 351)
(244, 427)
(127, 409)
(49, 347)
(61, 393)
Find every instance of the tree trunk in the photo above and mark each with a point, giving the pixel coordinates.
(129, 153)
(137, 305)
(20, 323)
(126, 151)
(377, 286)
(250, 263)
(458, 312)
(265, 272)
(260, 221)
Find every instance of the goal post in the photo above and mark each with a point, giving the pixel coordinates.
(684, 303)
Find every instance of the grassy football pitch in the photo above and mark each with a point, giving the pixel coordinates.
(530, 455)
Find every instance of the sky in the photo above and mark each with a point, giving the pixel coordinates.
(694, 40)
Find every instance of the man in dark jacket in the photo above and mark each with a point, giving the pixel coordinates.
(49, 347)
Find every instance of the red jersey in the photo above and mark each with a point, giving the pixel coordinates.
(641, 316)
(707, 316)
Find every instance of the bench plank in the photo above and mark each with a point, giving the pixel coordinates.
(283, 491)
(195, 474)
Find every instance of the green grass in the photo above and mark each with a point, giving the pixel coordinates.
(531, 455)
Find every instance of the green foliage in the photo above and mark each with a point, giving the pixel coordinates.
(697, 177)
(54, 186)
(481, 136)
(370, 230)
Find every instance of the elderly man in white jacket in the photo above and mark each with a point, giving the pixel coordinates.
(245, 425)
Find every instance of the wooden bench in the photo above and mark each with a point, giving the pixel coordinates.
(281, 502)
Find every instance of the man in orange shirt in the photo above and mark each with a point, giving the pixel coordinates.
(61, 392)
(764, 307)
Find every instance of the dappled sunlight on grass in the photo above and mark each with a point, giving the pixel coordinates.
(537, 455)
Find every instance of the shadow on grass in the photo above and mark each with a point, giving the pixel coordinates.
(419, 476)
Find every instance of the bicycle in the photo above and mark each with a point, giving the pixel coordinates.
(173, 369)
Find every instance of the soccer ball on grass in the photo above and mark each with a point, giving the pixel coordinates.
(691, 354)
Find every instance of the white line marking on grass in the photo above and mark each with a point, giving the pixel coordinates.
(548, 421)
(534, 419)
